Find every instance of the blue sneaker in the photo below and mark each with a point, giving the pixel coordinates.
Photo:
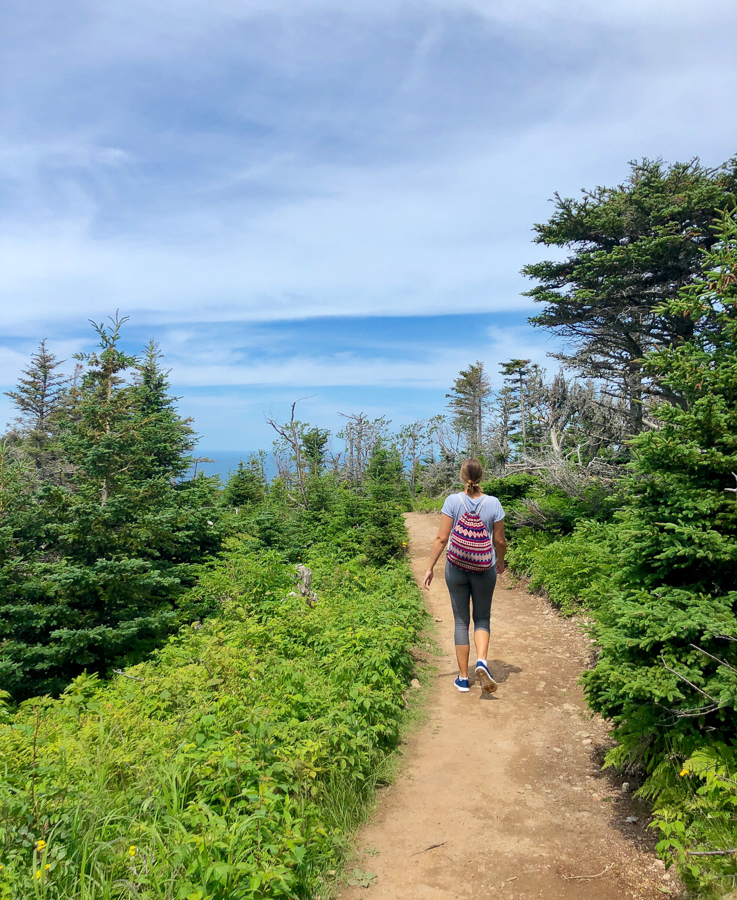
(462, 685)
(484, 677)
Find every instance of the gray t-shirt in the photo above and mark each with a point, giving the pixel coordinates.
(489, 509)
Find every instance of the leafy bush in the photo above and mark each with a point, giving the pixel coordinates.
(574, 570)
(695, 808)
(225, 767)
(553, 509)
(511, 487)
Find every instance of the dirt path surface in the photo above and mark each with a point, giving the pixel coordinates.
(502, 795)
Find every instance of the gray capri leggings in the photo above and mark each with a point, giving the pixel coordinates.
(462, 586)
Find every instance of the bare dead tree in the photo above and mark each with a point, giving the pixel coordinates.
(289, 433)
(360, 435)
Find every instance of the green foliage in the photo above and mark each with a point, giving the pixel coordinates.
(214, 770)
(632, 247)
(386, 536)
(92, 566)
(511, 487)
(536, 502)
(247, 485)
(695, 810)
(428, 504)
(668, 671)
(574, 570)
(655, 560)
(314, 448)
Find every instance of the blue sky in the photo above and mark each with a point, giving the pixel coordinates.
(318, 198)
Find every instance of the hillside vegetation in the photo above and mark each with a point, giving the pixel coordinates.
(656, 565)
(184, 717)
(233, 762)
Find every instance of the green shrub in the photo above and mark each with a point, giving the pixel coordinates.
(221, 769)
(511, 487)
(574, 570)
(385, 535)
(667, 676)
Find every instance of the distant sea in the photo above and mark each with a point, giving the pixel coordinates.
(226, 461)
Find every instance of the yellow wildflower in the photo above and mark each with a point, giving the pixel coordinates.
(684, 772)
(40, 845)
(38, 873)
(47, 866)
(131, 851)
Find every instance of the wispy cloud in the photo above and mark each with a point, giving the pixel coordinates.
(212, 163)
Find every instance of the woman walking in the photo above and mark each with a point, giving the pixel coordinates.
(474, 522)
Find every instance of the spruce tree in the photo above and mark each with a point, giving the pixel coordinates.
(104, 558)
(314, 449)
(669, 632)
(388, 494)
(516, 373)
(39, 398)
(469, 403)
(164, 438)
(632, 248)
(247, 485)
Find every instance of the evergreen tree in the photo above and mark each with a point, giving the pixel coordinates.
(165, 440)
(247, 485)
(500, 446)
(39, 394)
(39, 398)
(633, 247)
(669, 633)
(516, 373)
(386, 536)
(469, 402)
(314, 449)
(92, 570)
(102, 441)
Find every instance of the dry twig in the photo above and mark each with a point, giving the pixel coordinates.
(431, 847)
(603, 872)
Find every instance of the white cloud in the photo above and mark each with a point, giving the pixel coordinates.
(214, 161)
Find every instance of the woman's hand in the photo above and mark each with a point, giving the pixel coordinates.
(501, 567)
(446, 523)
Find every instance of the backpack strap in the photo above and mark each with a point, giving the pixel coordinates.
(463, 494)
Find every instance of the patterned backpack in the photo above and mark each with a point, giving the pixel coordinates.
(470, 544)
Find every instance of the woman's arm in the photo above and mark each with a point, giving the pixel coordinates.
(446, 526)
(500, 545)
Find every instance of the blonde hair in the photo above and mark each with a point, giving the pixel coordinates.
(471, 474)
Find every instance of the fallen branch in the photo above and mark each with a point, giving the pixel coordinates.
(603, 872)
(431, 847)
(712, 852)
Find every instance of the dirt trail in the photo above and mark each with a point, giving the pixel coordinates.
(502, 795)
